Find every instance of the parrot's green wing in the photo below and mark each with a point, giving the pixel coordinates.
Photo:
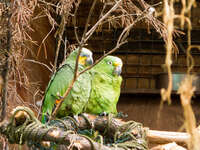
(75, 102)
(104, 94)
(78, 97)
(105, 87)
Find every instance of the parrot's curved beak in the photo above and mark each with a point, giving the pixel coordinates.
(118, 69)
(89, 61)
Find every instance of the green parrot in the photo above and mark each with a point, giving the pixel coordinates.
(106, 83)
(75, 102)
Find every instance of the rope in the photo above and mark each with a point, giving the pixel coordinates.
(123, 136)
(61, 123)
(88, 121)
(125, 139)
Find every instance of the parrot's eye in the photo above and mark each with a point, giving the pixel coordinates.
(109, 62)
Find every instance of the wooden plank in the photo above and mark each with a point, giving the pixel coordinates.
(143, 83)
(140, 91)
(131, 83)
(148, 91)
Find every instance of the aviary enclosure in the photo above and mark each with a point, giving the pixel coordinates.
(158, 42)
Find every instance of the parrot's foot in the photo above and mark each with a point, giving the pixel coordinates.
(121, 115)
(58, 94)
(103, 114)
(76, 118)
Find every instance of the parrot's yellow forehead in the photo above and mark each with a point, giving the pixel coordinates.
(82, 60)
(117, 63)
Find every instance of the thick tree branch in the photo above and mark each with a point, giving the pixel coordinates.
(61, 135)
(163, 137)
(58, 136)
(23, 127)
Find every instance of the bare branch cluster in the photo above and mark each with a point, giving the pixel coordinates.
(129, 14)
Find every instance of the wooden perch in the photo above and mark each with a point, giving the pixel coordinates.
(169, 146)
(162, 137)
(153, 136)
(37, 132)
(24, 127)
(59, 136)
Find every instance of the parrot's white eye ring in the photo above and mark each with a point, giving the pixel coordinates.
(109, 62)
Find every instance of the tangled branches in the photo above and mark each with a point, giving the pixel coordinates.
(129, 14)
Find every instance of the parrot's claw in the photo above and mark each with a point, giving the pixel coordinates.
(60, 97)
(121, 115)
(76, 118)
(92, 125)
(58, 94)
(103, 114)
